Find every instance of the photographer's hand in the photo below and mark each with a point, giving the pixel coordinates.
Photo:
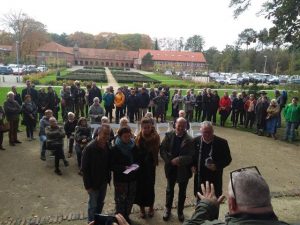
(121, 220)
(209, 194)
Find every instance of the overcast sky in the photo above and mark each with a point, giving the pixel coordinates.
(211, 19)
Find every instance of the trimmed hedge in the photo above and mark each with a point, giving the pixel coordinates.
(98, 77)
(94, 67)
(131, 77)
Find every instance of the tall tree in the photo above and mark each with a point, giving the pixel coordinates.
(28, 32)
(247, 37)
(284, 14)
(195, 43)
(156, 46)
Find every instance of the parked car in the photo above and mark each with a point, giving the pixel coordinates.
(42, 68)
(30, 70)
(272, 80)
(294, 79)
(220, 80)
(231, 81)
(5, 70)
(168, 72)
(18, 70)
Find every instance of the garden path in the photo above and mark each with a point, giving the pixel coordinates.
(111, 81)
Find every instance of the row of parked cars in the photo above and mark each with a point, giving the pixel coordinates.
(21, 69)
(246, 78)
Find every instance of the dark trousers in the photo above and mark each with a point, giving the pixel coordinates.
(29, 130)
(124, 197)
(108, 112)
(214, 116)
(250, 117)
(198, 112)
(152, 109)
(224, 115)
(181, 194)
(236, 114)
(131, 115)
(78, 150)
(13, 130)
(189, 115)
(119, 114)
(79, 108)
(71, 144)
(58, 154)
(96, 201)
(1, 139)
(205, 113)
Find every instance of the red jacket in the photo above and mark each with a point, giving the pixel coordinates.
(225, 102)
(247, 104)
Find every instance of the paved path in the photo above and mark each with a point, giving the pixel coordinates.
(111, 81)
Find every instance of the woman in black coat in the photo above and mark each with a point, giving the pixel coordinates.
(147, 142)
(29, 111)
(124, 166)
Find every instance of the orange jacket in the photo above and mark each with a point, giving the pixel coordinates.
(119, 99)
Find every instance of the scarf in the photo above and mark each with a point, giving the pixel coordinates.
(126, 148)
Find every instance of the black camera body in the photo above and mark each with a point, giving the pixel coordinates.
(102, 219)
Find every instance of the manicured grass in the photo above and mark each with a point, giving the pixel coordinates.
(52, 76)
(170, 80)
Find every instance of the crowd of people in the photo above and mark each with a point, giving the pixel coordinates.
(131, 159)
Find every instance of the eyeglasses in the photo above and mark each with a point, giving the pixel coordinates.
(249, 168)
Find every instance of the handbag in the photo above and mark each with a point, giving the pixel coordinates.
(4, 127)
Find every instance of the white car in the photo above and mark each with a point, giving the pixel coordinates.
(42, 68)
(168, 72)
(231, 81)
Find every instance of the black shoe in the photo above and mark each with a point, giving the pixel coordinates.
(66, 163)
(181, 217)
(167, 214)
(18, 142)
(1, 148)
(12, 144)
(58, 172)
(43, 158)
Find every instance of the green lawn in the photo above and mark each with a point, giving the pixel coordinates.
(52, 76)
(170, 80)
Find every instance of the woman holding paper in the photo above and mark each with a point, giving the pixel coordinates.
(124, 166)
(147, 142)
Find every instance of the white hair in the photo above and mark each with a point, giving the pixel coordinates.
(96, 99)
(206, 124)
(251, 189)
(104, 119)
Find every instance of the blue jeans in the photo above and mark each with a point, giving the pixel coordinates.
(43, 139)
(96, 201)
(290, 131)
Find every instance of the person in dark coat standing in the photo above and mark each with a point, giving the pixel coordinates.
(95, 167)
(69, 127)
(124, 157)
(214, 106)
(177, 152)
(147, 142)
(261, 115)
(93, 93)
(42, 102)
(212, 155)
(17, 95)
(144, 100)
(12, 110)
(29, 111)
(53, 101)
(2, 118)
(132, 105)
(29, 90)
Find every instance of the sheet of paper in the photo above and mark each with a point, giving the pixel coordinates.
(131, 168)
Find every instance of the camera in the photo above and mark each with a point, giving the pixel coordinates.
(209, 161)
(102, 219)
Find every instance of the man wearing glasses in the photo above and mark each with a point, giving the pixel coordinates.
(249, 201)
(212, 155)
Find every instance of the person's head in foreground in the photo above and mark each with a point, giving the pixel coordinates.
(180, 127)
(249, 201)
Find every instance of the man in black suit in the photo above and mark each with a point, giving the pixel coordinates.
(212, 155)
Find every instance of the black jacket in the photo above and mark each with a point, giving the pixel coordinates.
(95, 166)
(144, 100)
(32, 92)
(119, 163)
(183, 171)
(70, 127)
(222, 158)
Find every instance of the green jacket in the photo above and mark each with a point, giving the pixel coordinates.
(292, 113)
(206, 213)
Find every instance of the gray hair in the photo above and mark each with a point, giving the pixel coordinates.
(96, 99)
(206, 124)
(10, 93)
(104, 119)
(251, 189)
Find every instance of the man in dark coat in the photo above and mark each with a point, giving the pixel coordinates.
(177, 152)
(212, 155)
(93, 93)
(29, 90)
(95, 166)
(132, 105)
